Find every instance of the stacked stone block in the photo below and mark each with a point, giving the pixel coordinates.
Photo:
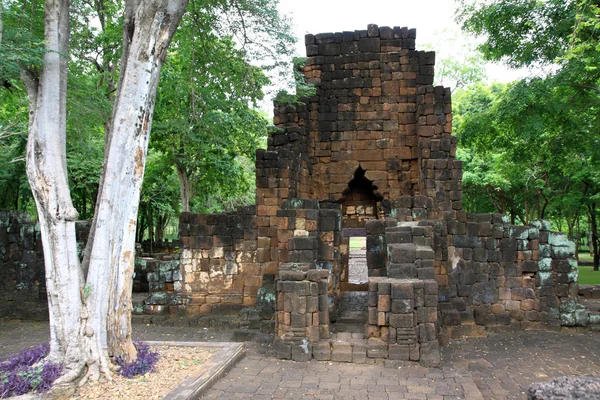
(297, 231)
(441, 175)
(365, 110)
(310, 232)
(302, 310)
(161, 272)
(160, 275)
(375, 116)
(219, 264)
(412, 208)
(148, 247)
(283, 170)
(22, 272)
(500, 276)
(402, 320)
(173, 303)
(329, 254)
(409, 251)
(357, 211)
(376, 248)
(22, 282)
(564, 275)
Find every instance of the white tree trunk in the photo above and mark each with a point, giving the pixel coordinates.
(47, 175)
(149, 27)
(81, 315)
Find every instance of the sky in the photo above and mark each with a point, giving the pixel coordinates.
(433, 19)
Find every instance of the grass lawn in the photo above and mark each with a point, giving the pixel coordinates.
(358, 243)
(585, 257)
(587, 276)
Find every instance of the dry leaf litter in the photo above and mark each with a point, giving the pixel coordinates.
(176, 364)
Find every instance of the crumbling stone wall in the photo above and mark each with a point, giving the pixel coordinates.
(498, 276)
(371, 153)
(22, 275)
(402, 319)
(309, 232)
(373, 105)
(22, 283)
(302, 310)
(219, 259)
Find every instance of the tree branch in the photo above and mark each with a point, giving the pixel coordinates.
(591, 87)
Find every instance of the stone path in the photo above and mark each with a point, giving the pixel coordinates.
(257, 377)
(357, 266)
(501, 366)
(504, 365)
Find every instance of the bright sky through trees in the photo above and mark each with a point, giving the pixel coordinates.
(433, 19)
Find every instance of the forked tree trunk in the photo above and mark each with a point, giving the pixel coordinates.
(47, 175)
(83, 315)
(149, 27)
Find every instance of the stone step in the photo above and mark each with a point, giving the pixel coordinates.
(590, 291)
(354, 301)
(402, 253)
(403, 224)
(591, 304)
(402, 270)
(400, 236)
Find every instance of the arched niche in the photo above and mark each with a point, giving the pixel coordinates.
(359, 200)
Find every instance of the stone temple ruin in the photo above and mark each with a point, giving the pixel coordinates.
(369, 155)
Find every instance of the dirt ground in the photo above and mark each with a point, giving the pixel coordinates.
(174, 366)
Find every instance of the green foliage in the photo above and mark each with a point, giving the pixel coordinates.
(458, 64)
(204, 117)
(521, 32)
(224, 55)
(89, 109)
(14, 189)
(457, 73)
(303, 89)
(545, 130)
(527, 144)
(21, 47)
(87, 291)
(159, 201)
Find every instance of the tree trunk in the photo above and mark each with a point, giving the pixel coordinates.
(149, 27)
(141, 227)
(577, 238)
(46, 166)
(82, 316)
(185, 187)
(594, 239)
(160, 227)
(1, 24)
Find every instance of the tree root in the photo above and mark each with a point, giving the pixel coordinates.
(78, 374)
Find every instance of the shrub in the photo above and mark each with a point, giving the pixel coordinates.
(145, 362)
(26, 372)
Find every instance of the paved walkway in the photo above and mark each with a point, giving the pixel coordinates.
(501, 366)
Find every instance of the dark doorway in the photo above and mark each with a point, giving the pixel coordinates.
(359, 201)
